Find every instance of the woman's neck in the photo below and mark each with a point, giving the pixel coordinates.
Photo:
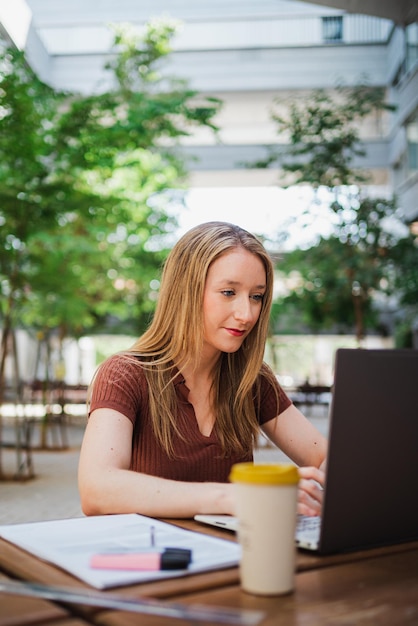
(202, 372)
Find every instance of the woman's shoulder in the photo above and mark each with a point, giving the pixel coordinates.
(121, 365)
(271, 394)
(124, 358)
(120, 383)
(267, 378)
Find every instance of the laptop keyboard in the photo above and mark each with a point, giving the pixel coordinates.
(308, 528)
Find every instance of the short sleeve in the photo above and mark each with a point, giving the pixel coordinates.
(119, 384)
(272, 399)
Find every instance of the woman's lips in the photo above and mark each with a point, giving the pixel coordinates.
(235, 332)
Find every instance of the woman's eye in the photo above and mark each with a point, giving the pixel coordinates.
(228, 292)
(258, 297)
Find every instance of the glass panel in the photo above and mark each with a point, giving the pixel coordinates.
(411, 46)
(332, 29)
(412, 138)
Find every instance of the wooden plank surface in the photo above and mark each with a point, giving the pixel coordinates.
(210, 587)
(381, 590)
(20, 611)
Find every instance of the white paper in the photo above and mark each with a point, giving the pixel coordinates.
(70, 543)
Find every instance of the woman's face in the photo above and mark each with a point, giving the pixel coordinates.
(232, 301)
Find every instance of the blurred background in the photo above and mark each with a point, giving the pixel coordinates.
(124, 124)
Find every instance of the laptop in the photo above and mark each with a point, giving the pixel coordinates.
(371, 484)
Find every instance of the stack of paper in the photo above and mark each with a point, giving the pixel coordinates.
(70, 544)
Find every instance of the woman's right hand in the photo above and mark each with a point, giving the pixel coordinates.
(311, 489)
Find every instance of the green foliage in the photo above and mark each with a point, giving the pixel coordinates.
(342, 279)
(339, 282)
(28, 197)
(326, 290)
(405, 258)
(323, 133)
(84, 188)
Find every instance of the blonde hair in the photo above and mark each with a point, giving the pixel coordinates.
(175, 336)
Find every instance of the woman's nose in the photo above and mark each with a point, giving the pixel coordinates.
(243, 311)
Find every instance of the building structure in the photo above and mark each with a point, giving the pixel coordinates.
(248, 53)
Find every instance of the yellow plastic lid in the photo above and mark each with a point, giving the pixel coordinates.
(265, 474)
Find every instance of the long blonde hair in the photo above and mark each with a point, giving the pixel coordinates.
(175, 336)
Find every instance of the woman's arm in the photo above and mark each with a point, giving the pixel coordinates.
(107, 485)
(307, 447)
(297, 437)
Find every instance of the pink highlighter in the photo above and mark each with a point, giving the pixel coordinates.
(170, 558)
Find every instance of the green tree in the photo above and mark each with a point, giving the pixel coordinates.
(84, 188)
(28, 202)
(405, 258)
(338, 281)
(341, 275)
(322, 135)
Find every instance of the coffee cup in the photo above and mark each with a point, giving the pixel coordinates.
(266, 498)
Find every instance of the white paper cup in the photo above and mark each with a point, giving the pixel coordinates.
(266, 510)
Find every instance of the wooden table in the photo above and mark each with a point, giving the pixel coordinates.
(378, 586)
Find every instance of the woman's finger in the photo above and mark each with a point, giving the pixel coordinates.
(312, 473)
(310, 497)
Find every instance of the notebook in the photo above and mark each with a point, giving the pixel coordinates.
(370, 495)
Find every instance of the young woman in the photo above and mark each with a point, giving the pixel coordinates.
(170, 417)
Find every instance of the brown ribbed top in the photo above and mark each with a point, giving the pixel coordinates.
(121, 385)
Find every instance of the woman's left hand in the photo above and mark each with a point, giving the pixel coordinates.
(310, 492)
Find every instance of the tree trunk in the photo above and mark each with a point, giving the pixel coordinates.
(359, 318)
(8, 345)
